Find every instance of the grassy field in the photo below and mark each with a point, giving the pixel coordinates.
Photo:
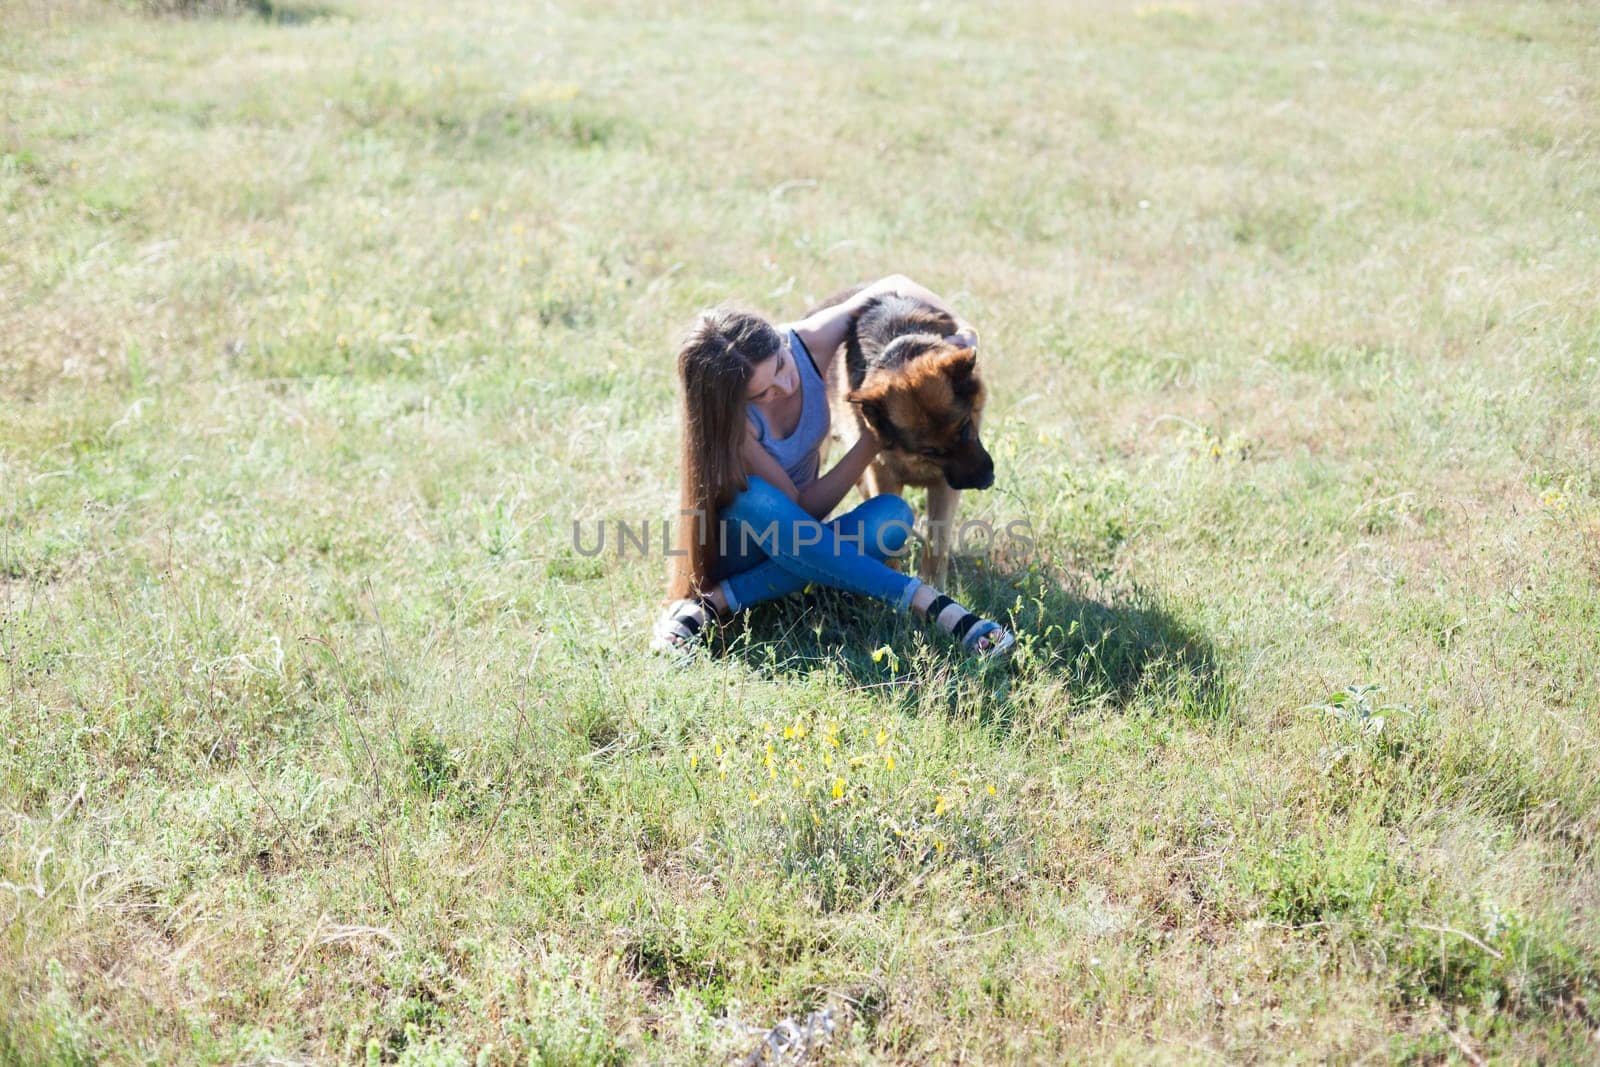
(320, 742)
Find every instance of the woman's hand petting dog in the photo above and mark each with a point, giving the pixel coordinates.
(868, 441)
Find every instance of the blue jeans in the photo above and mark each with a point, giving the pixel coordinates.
(772, 547)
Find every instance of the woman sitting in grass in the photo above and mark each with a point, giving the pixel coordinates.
(755, 413)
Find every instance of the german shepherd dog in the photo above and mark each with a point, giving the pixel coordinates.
(914, 381)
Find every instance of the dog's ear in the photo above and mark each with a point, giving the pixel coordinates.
(905, 348)
(873, 407)
(960, 362)
(960, 366)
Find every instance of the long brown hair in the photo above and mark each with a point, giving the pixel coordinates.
(716, 359)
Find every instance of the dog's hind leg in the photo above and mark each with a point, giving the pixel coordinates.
(942, 501)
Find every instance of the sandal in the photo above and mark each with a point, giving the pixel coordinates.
(679, 630)
(989, 640)
(984, 638)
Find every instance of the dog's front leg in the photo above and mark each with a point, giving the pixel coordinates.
(942, 501)
(877, 480)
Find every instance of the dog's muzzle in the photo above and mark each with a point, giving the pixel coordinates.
(978, 479)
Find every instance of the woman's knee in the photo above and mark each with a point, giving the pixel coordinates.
(886, 525)
(762, 517)
(759, 500)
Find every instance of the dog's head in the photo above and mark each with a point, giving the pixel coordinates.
(924, 402)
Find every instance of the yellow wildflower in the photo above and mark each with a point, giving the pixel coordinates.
(838, 788)
(939, 805)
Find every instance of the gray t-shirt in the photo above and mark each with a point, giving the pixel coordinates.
(797, 453)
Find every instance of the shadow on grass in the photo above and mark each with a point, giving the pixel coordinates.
(1078, 647)
(281, 12)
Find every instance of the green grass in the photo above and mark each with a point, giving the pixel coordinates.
(320, 742)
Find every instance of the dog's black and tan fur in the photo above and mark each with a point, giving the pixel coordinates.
(914, 381)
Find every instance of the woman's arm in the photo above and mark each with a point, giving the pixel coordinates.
(759, 461)
(824, 493)
(824, 331)
(966, 334)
